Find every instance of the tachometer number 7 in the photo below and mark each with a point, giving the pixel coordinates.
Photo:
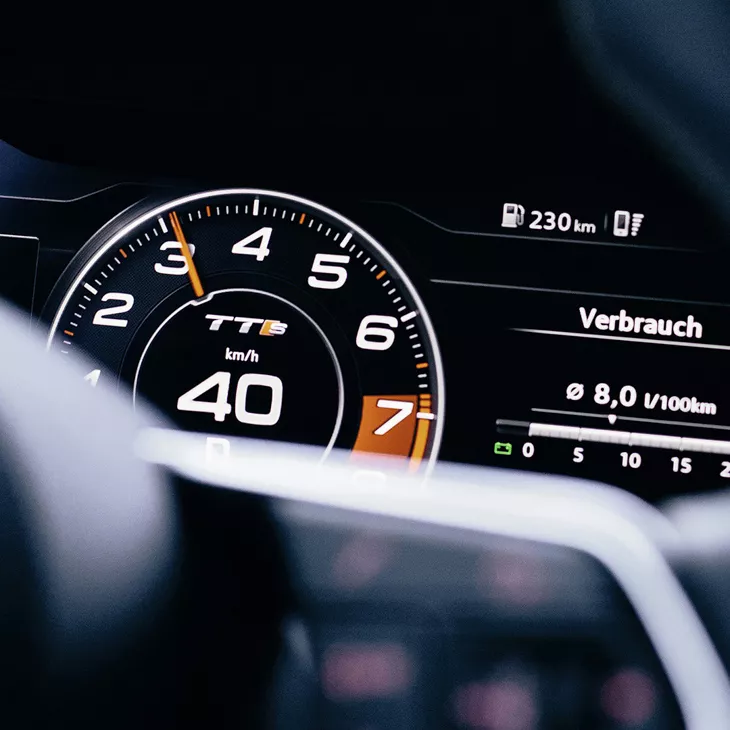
(403, 408)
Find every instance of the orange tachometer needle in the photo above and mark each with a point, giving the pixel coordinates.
(192, 271)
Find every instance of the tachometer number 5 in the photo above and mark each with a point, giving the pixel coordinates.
(328, 264)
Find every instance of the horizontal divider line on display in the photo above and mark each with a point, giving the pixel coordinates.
(575, 292)
(641, 340)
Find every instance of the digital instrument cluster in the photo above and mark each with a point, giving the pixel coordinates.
(258, 314)
(572, 335)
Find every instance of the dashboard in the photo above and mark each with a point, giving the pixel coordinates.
(457, 249)
(481, 237)
(565, 331)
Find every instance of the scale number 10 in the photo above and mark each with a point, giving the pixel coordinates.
(632, 460)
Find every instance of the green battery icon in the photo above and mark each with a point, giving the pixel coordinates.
(503, 449)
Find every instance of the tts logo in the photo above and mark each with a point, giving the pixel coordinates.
(269, 327)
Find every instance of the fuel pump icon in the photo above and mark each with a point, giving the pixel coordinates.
(513, 215)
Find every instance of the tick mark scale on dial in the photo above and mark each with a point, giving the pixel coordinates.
(421, 437)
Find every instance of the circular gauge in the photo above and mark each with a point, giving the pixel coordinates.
(258, 314)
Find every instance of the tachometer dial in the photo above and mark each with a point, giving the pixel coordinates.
(259, 314)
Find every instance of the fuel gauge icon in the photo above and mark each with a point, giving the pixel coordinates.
(513, 215)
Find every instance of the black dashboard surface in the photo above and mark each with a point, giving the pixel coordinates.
(542, 232)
